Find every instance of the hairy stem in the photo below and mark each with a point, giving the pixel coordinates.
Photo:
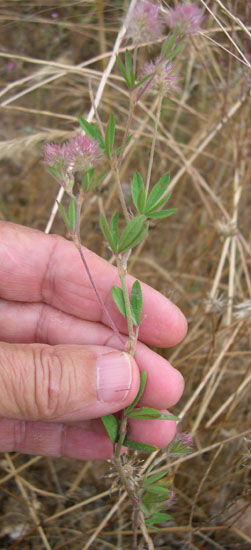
(77, 242)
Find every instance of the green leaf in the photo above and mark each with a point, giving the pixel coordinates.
(98, 180)
(118, 298)
(158, 490)
(165, 416)
(158, 518)
(65, 217)
(114, 229)
(143, 378)
(129, 69)
(143, 80)
(72, 215)
(139, 446)
(162, 213)
(111, 426)
(133, 233)
(92, 131)
(123, 70)
(136, 301)
(136, 186)
(153, 479)
(107, 233)
(158, 204)
(109, 136)
(144, 413)
(151, 499)
(157, 191)
(144, 508)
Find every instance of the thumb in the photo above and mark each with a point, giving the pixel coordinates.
(64, 383)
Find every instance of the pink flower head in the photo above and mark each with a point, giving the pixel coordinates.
(53, 154)
(54, 15)
(187, 18)
(163, 78)
(80, 153)
(144, 24)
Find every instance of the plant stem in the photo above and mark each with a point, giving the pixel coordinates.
(157, 119)
(77, 242)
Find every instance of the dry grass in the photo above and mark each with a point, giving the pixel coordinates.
(200, 259)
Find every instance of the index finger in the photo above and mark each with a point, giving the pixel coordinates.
(47, 268)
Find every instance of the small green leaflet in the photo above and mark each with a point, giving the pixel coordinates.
(162, 213)
(143, 378)
(92, 131)
(109, 136)
(138, 192)
(72, 215)
(157, 192)
(148, 413)
(63, 213)
(118, 297)
(152, 479)
(110, 233)
(136, 301)
(134, 232)
(111, 426)
(159, 517)
(139, 446)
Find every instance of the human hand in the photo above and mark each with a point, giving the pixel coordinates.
(60, 364)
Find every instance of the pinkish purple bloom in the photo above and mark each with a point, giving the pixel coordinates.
(80, 153)
(54, 15)
(10, 66)
(187, 18)
(163, 78)
(186, 439)
(144, 24)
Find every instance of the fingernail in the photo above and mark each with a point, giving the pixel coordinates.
(114, 376)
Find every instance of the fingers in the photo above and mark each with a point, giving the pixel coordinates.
(42, 323)
(64, 383)
(56, 276)
(88, 442)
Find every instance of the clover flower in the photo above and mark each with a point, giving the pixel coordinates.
(187, 18)
(163, 79)
(144, 24)
(80, 153)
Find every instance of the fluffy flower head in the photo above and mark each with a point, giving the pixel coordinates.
(186, 17)
(144, 24)
(80, 153)
(163, 78)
